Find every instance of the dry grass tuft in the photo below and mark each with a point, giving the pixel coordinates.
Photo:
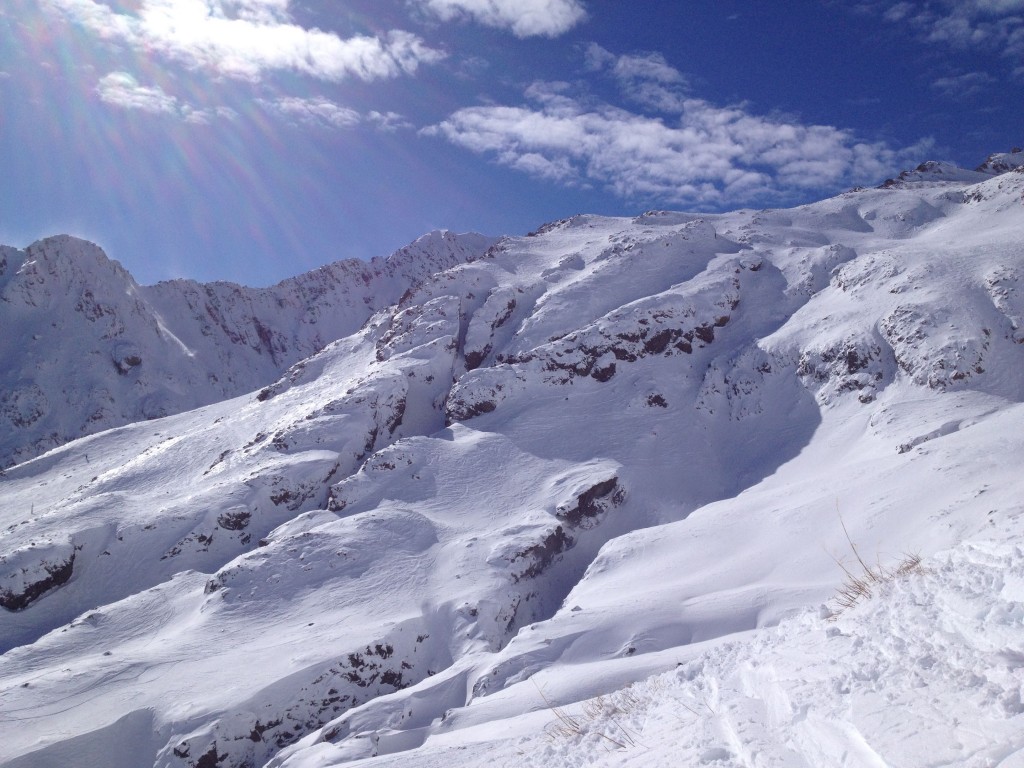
(600, 716)
(862, 580)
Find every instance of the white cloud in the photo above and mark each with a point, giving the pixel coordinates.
(535, 164)
(389, 121)
(526, 18)
(123, 90)
(245, 38)
(314, 111)
(709, 155)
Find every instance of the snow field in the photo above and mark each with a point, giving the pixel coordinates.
(926, 673)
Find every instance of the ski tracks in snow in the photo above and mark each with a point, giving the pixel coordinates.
(928, 673)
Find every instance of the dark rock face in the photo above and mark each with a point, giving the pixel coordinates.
(538, 557)
(459, 410)
(475, 358)
(52, 575)
(356, 677)
(592, 503)
(234, 521)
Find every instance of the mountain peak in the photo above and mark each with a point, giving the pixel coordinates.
(940, 171)
(85, 348)
(70, 252)
(438, 250)
(61, 268)
(937, 171)
(1003, 162)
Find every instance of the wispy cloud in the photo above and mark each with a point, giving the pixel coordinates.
(993, 25)
(706, 154)
(314, 111)
(245, 38)
(122, 90)
(525, 18)
(965, 85)
(647, 79)
(324, 113)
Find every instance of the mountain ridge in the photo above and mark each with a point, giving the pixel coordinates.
(140, 352)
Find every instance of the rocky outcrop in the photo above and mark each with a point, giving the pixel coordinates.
(28, 574)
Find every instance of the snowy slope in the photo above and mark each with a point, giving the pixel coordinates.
(85, 348)
(544, 474)
(929, 673)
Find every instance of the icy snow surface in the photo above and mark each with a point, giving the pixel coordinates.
(576, 498)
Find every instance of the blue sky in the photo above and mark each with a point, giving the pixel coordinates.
(251, 140)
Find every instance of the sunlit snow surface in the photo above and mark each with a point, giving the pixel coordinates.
(615, 458)
(928, 673)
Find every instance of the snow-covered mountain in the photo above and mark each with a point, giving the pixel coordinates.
(85, 348)
(615, 457)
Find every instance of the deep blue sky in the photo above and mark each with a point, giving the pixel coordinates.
(251, 140)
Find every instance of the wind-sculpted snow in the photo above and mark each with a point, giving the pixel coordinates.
(534, 471)
(929, 674)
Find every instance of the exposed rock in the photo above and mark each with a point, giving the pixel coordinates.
(534, 560)
(592, 503)
(31, 573)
